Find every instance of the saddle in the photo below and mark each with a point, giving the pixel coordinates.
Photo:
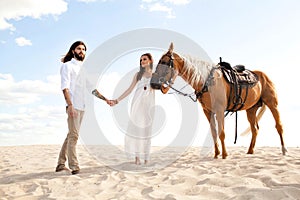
(238, 77)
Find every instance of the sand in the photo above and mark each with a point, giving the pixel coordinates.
(27, 172)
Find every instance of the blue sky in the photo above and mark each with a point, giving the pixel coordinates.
(34, 34)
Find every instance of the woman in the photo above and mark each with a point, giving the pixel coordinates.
(138, 136)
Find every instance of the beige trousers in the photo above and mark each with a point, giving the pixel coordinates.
(68, 150)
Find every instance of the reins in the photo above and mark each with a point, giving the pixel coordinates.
(194, 99)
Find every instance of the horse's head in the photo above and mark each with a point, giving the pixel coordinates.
(166, 71)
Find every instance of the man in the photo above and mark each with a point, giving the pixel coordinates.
(74, 97)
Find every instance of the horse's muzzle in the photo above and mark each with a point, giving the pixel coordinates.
(155, 82)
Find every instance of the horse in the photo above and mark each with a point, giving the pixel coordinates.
(214, 93)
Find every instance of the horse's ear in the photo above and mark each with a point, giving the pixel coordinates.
(171, 48)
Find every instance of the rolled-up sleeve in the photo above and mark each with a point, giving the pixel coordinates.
(65, 77)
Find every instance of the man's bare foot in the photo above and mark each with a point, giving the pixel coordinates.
(137, 161)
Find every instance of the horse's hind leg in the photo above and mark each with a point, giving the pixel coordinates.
(272, 104)
(251, 115)
(269, 97)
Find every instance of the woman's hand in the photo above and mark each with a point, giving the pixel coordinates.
(112, 102)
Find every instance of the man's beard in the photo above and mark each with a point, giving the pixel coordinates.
(79, 57)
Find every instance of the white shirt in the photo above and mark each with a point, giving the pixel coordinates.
(69, 72)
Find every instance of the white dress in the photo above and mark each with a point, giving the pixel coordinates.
(139, 132)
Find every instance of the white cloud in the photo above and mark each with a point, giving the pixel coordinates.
(148, 1)
(26, 116)
(161, 8)
(86, 1)
(39, 125)
(26, 91)
(90, 1)
(178, 2)
(18, 9)
(21, 41)
(165, 6)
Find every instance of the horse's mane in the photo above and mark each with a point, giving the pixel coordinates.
(199, 69)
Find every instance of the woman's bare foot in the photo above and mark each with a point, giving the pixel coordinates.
(137, 161)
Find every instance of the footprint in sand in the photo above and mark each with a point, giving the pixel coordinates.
(194, 190)
(147, 191)
(177, 181)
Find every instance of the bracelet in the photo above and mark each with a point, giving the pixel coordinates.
(117, 101)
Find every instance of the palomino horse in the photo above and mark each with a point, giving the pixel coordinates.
(213, 92)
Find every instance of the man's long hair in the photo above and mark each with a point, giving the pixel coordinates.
(70, 54)
(142, 69)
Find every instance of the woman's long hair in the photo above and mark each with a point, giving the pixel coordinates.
(142, 69)
(70, 54)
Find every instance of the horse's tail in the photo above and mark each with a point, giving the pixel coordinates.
(258, 117)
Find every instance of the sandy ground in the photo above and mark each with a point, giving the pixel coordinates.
(27, 172)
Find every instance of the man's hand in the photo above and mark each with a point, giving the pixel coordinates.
(96, 93)
(71, 111)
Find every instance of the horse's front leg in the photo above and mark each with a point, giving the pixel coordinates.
(212, 122)
(220, 122)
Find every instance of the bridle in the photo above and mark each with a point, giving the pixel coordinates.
(169, 65)
(169, 83)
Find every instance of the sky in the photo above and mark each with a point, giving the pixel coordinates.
(35, 34)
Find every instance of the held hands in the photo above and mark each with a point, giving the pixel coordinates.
(96, 93)
(112, 102)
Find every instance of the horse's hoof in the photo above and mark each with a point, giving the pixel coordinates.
(217, 154)
(250, 151)
(284, 150)
(224, 156)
